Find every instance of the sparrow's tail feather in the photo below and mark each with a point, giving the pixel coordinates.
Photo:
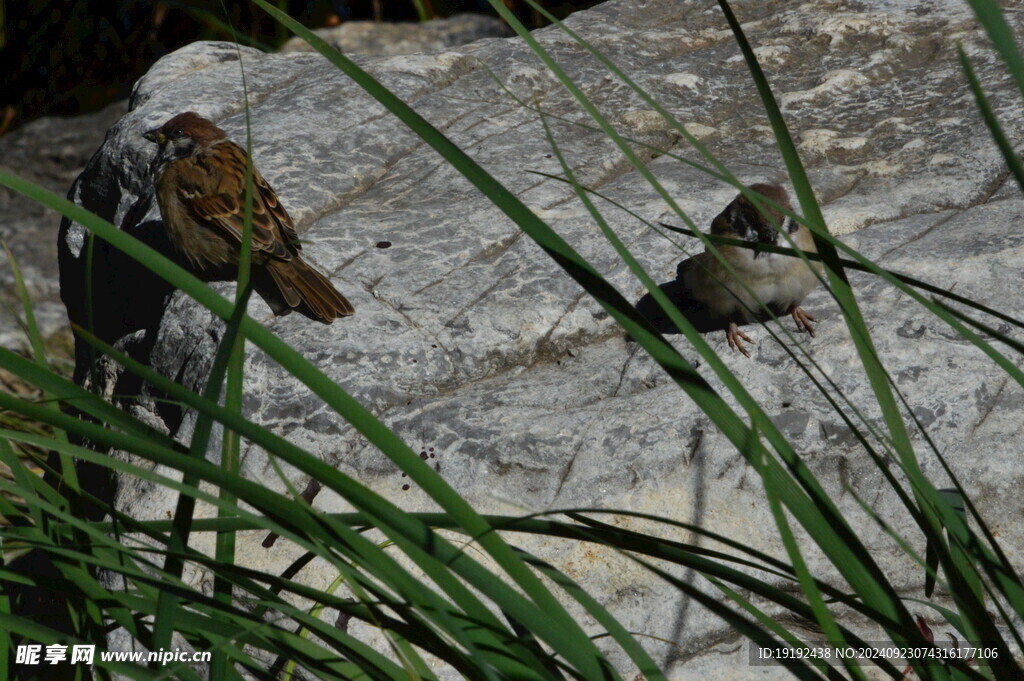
(302, 288)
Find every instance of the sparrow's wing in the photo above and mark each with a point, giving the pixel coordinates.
(216, 197)
(714, 289)
(274, 208)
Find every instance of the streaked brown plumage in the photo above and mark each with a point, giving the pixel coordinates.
(714, 300)
(200, 188)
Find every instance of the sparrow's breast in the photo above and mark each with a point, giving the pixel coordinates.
(203, 245)
(776, 281)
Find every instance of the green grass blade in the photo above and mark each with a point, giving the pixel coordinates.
(991, 122)
(69, 474)
(991, 17)
(34, 337)
(810, 589)
(772, 625)
(231, 443)
(185, 509)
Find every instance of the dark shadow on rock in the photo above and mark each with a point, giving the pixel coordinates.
(652, 312)
(126, 296)
(691, 310)
(694, 312)
(128, 304)
(698, 466)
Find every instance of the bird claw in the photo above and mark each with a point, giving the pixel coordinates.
(736, 338)
(803, 320)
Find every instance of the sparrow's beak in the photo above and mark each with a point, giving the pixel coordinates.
(155, 136)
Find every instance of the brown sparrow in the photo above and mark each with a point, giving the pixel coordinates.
(200, 188)
(712, 299)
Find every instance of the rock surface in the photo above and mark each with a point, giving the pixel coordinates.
(389, 39)
(474, 346)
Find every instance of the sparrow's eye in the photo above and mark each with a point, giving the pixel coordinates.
(177, 133)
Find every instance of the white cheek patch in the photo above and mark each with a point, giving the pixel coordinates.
(183, 148)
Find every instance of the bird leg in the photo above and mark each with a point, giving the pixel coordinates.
(803, 320)
(736, 338)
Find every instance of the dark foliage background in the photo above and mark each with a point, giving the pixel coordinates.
(65, 57)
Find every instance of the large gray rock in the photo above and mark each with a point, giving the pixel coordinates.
(474, 346)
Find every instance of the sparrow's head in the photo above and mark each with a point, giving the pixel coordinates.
(742, 220)
(184, 135)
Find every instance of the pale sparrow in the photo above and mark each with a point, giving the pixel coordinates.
(713, 300)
